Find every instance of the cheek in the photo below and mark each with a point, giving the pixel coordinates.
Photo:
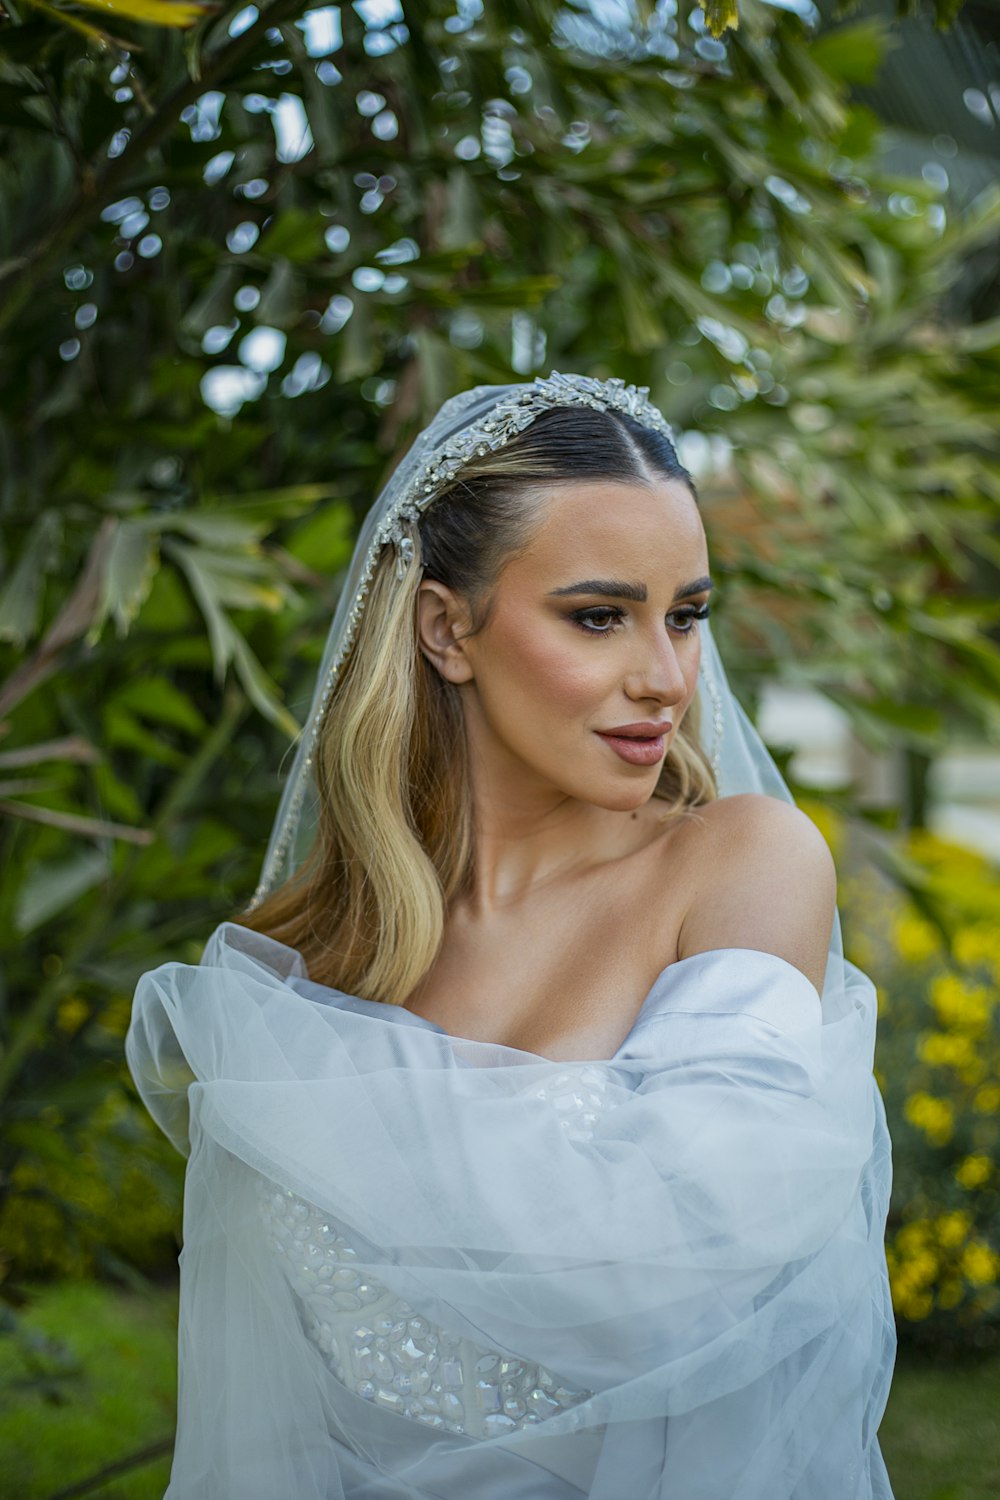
(691, 667)
(694, 667)
(548, 666)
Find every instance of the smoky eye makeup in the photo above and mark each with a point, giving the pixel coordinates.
(605, 619)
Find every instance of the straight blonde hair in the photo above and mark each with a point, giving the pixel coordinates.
(394, 842)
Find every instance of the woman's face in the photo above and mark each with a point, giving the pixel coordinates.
(592, 630)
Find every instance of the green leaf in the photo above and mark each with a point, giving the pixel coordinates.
(357, 348)
(288, 500)
(914, 723)
(326, 539)
(212, 589)
(463, 216)
(280, 296)
(721, 16)
(116, 797)
(259, 687)
(854, 52)
(129, 570)
(220, 528)
(294, 235)
(21, 593)
(215, 304)
(123, 731)
(48, 889)
(159, 700)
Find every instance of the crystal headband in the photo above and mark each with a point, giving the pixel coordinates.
(511, 415)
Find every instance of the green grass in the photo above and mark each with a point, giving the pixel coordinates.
(940, 1435)
(120, 1397)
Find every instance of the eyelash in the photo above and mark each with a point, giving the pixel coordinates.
(581, 616)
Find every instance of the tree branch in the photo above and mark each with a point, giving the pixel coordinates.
(101, 184)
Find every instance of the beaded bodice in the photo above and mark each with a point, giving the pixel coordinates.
(384, 1349)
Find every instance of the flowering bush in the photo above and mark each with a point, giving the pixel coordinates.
(95, 1186)
(932, 948)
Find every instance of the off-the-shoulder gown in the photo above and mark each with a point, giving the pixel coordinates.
(416, 1265)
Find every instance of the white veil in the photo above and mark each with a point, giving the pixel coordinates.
(420, 1267)
(484, 417)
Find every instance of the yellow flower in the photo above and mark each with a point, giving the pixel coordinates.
(932, 850)
(935, 1117)
(945, 1049)
(953, 1228)
(116, 1015)
(72, 1013)
(912, 1235)
(964, 1006)
(977, 943)
(923, 1268)
(949, 1293)
(980, 1264)
(987, 1099)
(830, 825)
(918, 1306)
(973, 1171)
(915, 939)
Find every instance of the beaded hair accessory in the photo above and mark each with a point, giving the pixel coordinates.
(468, 425)
(511, 415)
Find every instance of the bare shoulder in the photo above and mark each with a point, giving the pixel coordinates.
(760, 875)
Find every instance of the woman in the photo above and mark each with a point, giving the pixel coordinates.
(534, 1147)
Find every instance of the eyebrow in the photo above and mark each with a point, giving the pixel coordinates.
(614, 588)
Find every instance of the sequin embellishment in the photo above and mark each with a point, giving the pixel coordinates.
(382, 1348)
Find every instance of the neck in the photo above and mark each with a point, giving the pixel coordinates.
(529, 833)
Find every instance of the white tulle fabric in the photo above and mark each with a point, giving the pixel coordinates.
(656, 1275)
(420, 1267)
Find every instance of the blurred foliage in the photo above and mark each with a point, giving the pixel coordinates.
(720, 15)
(937, 1063)
(241, 264)
(93, 1402)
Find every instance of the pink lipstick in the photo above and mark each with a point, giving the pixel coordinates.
(639, 744)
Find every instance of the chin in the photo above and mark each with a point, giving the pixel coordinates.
(625, 796)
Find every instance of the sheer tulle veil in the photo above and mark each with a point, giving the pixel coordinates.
(486, 416)
(421, 1267)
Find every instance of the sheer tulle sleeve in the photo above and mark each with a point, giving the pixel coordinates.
(680, 1251)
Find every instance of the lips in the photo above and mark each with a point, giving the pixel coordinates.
(646, 731)
(639, 744)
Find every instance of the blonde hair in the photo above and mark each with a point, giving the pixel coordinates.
(394, 841)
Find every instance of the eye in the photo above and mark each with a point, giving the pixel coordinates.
(589, 620)
(605, 620)
(690, 615)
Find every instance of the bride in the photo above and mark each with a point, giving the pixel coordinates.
(533, 1144)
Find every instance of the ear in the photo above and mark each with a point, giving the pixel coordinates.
(441, 620)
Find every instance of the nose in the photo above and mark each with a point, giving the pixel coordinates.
(656, 671)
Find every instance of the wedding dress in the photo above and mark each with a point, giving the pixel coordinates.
(417, 1266)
